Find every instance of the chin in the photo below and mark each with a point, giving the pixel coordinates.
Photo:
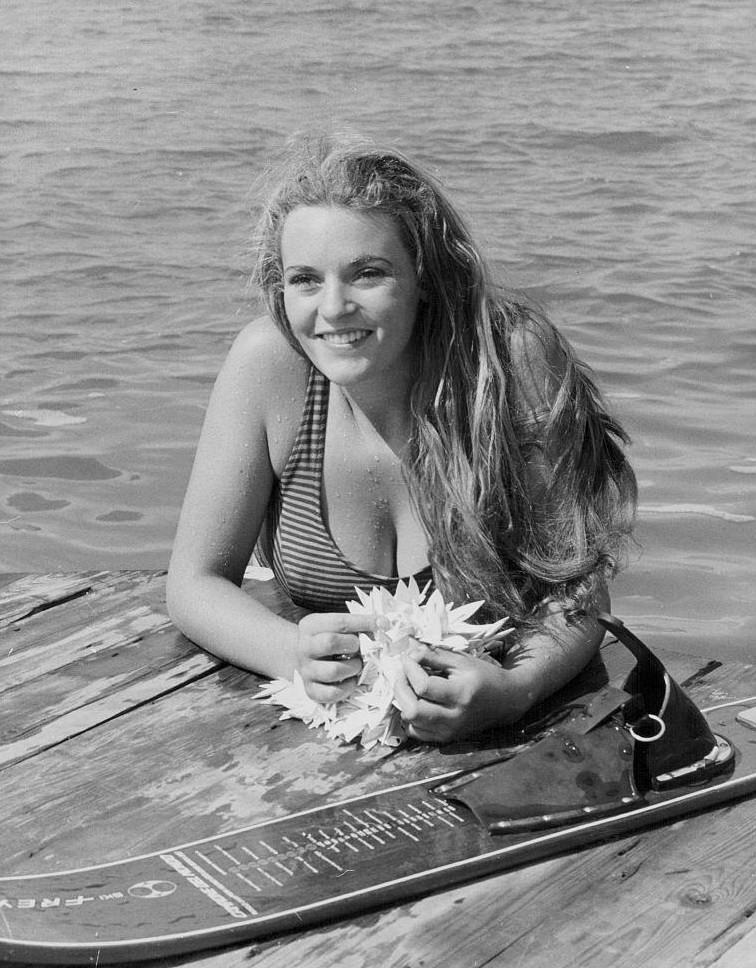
(343, 372)
(345, 376)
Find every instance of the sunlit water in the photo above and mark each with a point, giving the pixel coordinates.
(604, 154)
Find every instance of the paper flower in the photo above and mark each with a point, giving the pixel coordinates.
(369, 712)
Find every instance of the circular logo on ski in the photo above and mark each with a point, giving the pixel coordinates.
(148, 890)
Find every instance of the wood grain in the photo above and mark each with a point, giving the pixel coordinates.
(119, 736)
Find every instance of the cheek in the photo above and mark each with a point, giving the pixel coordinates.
(293, 309)
(411, 311)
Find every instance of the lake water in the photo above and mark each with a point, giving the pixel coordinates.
(603, 152)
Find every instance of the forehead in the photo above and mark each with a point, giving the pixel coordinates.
(324, 232)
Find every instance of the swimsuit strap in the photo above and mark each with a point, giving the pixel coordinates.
(305, 558)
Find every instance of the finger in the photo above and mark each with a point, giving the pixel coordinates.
(405, 698)
(330, 672)
(442, 661)
(418, 733)
(417, 677)
(432, 688)
(324, 693)
(417, 650)
(339, 646)
(442, 735)
(339, 622)
(330, 645)
(432, 724)
(425, 720)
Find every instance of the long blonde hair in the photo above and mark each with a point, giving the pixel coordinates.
(491, 535)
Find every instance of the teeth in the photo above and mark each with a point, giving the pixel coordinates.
(343, 339)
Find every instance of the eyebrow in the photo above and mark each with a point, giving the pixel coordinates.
(355, 263)
(368, 257)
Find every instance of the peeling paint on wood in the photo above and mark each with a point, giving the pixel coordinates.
(118, 736)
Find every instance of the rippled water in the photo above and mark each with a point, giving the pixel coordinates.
(604, 154)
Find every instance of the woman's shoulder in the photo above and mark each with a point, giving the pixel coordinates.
(265, 380)
(262, 342)
(267, 363)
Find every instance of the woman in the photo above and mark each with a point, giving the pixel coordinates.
(394, 416)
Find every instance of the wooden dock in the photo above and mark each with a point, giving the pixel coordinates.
(118, 737)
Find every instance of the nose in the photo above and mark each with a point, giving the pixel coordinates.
(335, 300)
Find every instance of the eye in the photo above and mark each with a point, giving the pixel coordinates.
(301, 280)
(371, 273)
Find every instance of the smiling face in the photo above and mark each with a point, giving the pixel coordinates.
(350, 293)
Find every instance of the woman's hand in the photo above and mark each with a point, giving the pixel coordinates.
(327, 653)
(447, 695)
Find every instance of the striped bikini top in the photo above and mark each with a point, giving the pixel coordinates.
(300, 549)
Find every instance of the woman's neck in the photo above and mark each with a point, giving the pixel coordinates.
(383, 410)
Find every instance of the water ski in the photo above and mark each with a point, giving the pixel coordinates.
(632, 753)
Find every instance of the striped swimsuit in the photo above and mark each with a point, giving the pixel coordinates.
(303, 555)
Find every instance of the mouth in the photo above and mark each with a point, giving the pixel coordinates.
(347, 337)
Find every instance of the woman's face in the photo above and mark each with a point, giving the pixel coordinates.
(350, 293)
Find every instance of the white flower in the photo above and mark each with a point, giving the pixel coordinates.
(401, 618)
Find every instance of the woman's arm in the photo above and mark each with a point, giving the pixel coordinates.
(222, 514)
(448, 695)
(248, 431)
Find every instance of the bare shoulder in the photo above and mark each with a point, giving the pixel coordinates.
(264, 380)
(264, 358)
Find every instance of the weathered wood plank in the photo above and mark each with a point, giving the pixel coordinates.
(215, 719)
(127, 623)
(204, 759)
(742, 954)
(674, 892)
(675, 896)
(8, 577)
(147, 742)
(64, 620)
(26, 730)
(81, 662)
(32, 593)
(83, 659)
